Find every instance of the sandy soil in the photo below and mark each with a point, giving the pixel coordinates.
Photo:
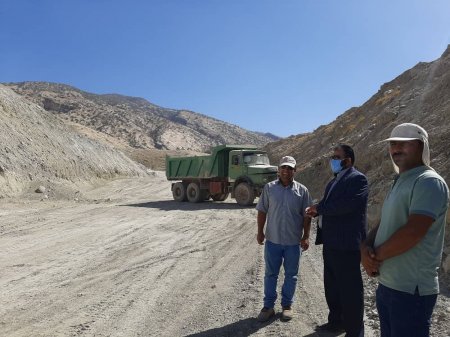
(129, 261)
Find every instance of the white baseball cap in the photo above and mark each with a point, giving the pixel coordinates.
(409, 131)
(289, 161)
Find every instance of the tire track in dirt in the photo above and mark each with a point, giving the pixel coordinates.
(140, 264)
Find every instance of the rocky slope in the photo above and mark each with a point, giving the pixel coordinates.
(420, 95)
(135, 121)
(38, 149)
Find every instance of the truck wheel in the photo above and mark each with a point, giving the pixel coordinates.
(179, 192)
(220, 197)
(244, 194)
(193, 193)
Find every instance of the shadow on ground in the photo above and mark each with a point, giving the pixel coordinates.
(242, 328)
(171, 205)
(248, 326)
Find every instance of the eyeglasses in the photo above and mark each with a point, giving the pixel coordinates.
(336, 157)
(286, 167)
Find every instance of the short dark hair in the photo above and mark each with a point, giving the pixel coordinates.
(348, 151)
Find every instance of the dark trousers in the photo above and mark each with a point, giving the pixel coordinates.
(344, 290)
(403, 314)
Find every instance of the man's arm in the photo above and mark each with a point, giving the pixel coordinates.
(304, 242)
(370, 239)
(430, 194)
(311, 211)
(355, 197)
(405, 237)
(261, 220)
(368, 259)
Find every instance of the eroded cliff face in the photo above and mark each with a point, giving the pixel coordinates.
(420, 95)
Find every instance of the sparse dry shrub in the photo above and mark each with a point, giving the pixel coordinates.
(387, 97)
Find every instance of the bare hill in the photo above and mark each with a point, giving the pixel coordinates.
(420, 95)
(137, 122)
(39, 149)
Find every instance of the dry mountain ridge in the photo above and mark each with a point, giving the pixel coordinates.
(137, 122)
(420, 95)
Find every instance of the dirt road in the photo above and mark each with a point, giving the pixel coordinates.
(129, 261)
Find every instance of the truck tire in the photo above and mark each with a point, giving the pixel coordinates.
(193, 193)
(244, 194)
(179, 192)
(220, 197)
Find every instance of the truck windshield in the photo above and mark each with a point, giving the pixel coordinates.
(256, 159)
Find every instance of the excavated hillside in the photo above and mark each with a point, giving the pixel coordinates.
(38, 149)
(135, 121)
(420, 95)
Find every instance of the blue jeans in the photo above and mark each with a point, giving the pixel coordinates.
(403, 314)
(275, 255)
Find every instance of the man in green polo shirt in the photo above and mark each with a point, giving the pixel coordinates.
(405, 249)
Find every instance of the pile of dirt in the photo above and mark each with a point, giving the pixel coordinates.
(39, 150)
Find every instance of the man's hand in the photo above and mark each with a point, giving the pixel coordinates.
(369, 261)
(311, 211)
(304, 243)
(260, 238)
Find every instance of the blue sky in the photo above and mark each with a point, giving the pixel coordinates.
(280, 66)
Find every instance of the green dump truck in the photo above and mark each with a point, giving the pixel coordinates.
(239, 170)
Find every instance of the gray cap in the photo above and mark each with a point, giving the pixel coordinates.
(288, 160)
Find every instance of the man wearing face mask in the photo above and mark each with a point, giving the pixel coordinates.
(342, 218)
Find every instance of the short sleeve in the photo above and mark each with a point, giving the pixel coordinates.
(307, 200)
(430, 197)
(263, 203)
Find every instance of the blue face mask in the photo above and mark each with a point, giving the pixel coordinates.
(336, 165)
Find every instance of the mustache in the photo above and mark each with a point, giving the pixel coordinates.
(396, 154)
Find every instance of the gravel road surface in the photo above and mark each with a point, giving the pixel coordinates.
(127, 260)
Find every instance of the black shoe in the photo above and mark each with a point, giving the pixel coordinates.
(265, 314)
(329, 327)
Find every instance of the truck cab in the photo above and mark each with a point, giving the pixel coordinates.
(249, 171)
(253, 165)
